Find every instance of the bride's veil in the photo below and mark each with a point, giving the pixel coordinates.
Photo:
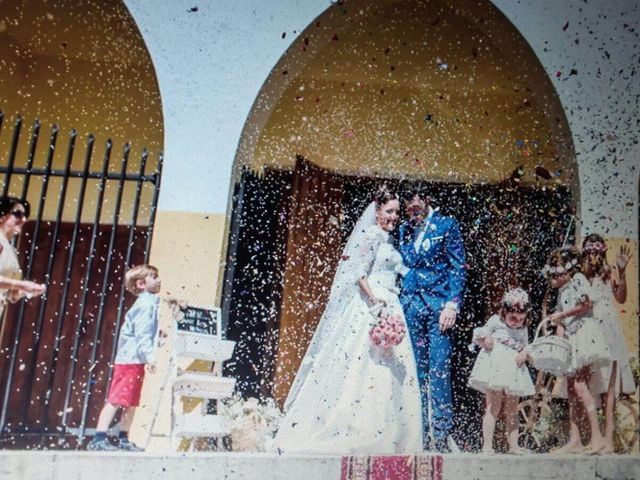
(343, 288)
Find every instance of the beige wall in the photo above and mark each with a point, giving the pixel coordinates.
(629, 310)
(186, 248)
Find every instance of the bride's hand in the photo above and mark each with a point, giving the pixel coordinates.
(373, 300)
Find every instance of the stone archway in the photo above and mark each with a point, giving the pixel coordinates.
(445, 90)
(82, 69)
(83, 65)
(439, 91)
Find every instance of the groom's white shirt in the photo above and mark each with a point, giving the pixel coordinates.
(423, 230)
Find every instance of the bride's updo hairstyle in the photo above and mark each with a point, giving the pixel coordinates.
(384, 195)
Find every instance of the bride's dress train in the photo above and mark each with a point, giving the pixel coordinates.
(349, 396)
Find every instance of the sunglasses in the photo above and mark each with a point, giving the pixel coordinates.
(19, 214)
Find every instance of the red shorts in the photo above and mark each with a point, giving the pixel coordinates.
(126, 384)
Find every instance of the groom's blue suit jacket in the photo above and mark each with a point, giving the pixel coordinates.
(437, 269)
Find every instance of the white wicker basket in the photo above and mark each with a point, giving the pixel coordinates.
(550, 353)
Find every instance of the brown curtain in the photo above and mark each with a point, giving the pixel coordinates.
(313, 249)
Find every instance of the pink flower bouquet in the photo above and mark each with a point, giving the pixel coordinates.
(388, 332)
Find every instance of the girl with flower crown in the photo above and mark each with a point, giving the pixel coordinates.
(589, 351)
(607, 287)
(500, 371)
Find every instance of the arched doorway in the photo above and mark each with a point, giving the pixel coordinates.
(81, 133)
(443, 93)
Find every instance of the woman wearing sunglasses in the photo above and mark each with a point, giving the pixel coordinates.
(13, 215)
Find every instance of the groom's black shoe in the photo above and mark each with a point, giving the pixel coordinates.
(440, 445)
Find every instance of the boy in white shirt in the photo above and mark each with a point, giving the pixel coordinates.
(135, 354)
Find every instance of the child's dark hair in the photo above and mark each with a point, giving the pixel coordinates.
(7, 205)
(563, 260)
(384, 195)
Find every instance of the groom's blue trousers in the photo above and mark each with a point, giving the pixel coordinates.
(433, 351)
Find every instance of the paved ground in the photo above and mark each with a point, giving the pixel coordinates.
(26, 465)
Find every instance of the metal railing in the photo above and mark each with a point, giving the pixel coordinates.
(67, 199)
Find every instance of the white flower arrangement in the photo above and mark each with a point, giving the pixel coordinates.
(550, 429)
(253, 424)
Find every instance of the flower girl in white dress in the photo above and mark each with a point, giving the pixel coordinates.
(589, 351)
(500, 371)
(608, 287)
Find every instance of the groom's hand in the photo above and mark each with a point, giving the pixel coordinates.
(447, 319)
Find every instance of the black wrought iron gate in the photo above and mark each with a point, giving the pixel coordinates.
(87, 226)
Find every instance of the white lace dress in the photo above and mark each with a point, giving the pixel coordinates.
(497, 369)
(606, 313)
(584, 333)
(350, 397)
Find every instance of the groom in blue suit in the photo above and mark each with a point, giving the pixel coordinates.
(432, 248)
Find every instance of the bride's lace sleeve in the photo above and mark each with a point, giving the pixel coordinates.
(367, 251)
(401, 269)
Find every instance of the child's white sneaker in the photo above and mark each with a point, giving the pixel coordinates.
(128, 446)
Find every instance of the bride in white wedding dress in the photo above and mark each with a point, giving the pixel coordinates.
(349, 396)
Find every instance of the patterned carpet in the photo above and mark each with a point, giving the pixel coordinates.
(412, 467)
